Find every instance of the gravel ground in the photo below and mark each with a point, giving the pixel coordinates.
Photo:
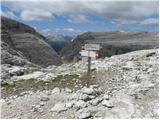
(123, 86)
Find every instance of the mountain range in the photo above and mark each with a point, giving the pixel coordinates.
(112, 43)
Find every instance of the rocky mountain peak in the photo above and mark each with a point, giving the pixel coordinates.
(22, 43)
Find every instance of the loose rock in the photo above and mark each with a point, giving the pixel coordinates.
(68, 90)
(59, 107)
(44, 98)
(107, 103)
(80, 104)
(83, 115)
(56, 90)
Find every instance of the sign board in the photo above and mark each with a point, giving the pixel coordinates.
(92, 47)
(88, 53)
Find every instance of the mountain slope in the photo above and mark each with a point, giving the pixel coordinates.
(26, 43)
(112, 43)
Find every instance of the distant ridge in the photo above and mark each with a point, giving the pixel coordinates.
(116, 42)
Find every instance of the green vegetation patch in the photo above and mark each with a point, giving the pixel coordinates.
(60, 81)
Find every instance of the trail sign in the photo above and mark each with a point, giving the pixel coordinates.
(86, 53)
(90, 51)
(91, 47)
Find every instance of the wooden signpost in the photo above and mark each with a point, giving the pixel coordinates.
(90, 51)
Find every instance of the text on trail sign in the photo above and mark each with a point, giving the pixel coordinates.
(91, 47)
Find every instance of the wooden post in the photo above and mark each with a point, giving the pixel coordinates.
(89, 71)
(90, 50)
(89, 66)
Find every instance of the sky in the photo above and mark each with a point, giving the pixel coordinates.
(73, 17)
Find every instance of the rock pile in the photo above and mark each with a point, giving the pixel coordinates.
(83, 101)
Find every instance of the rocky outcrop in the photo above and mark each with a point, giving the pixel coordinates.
(22, 45)
(112, 43)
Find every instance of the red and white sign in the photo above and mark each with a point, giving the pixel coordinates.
(90, 50)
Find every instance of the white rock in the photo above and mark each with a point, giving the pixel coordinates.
(80, 104)
(37, 106)
(84, 97)
(75, 96)
(30, 92)
(99, 114)
(34, 109)
(88, 91)
(14, 97)
(59, 107)
(83, 115)
(23, 93)
(69, 104)
(106, 97)
(56, 90)
(48, 92)
(42, 103)
(49, 76)
(16, 70)
(94, 102)
(44, 98)
(68, 90)
(92, 96)
(107, 103)
(76, 86)
(2, 100)
(40, 110)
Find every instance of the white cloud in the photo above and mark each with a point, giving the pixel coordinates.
(38, 15)
(68, 29)
(72, 30)
(62, 31)
(9, 14)
(120, 12)
(150, 21)
(78, 19)
(45, 30)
